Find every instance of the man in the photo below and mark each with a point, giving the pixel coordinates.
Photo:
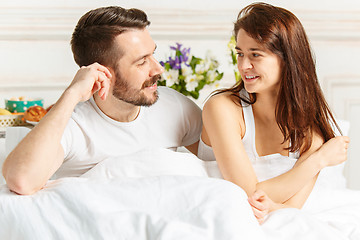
(103, 113)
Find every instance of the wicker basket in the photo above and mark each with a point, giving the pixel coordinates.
(12, 120)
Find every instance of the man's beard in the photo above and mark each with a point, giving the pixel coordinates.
(137, 97)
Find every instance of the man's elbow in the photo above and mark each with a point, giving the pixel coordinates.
(20, 185)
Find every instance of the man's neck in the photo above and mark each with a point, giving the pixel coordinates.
(117, 109)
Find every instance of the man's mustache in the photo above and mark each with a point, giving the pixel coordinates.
(152, 81)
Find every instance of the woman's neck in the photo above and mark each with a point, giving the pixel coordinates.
(264, 107)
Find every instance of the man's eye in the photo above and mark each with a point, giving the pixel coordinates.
(255, 55)
(240, 54)
(143, 62)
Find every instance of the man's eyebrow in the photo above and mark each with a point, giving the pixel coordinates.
(144, 56)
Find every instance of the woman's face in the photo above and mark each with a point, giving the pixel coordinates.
(260, 69)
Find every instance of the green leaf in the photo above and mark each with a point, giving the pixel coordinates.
(178, 53)
(167, 66)
(202, 81)
(161, 83)
(219, 76)
(237, 76)
(200, 85)
(233, 58)
(194, 94)
(194, 61)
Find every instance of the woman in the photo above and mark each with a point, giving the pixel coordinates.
(271, 132)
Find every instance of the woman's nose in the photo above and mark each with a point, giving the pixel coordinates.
(244, 63)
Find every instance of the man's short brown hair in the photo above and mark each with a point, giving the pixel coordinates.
(94, 35)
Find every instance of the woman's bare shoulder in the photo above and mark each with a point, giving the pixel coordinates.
(224, 109)
(223, 101)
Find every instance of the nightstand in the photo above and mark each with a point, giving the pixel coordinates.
(9, 138)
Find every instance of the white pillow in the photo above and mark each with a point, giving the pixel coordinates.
(148, 163)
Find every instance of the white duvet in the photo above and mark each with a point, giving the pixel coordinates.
(160, 194)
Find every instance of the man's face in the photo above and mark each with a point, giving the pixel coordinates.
(137, 71)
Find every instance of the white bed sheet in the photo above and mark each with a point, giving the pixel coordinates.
(160, 194)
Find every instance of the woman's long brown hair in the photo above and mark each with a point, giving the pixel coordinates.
(301, 107)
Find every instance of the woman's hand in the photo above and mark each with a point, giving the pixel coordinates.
(262, 205)
(334, 151)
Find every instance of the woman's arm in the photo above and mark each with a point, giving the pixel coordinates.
(291, 188)
(223, 129)
(261, 203)
(223, 124)
(301, 178)
(331, 151)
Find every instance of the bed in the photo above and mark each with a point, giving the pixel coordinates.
(162, 194)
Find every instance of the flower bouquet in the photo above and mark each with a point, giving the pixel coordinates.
(231, 47)
(189, 74)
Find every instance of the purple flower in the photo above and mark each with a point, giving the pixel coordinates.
(178, 47)
(175, 63)
(181, 56)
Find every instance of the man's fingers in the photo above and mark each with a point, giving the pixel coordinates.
(101, 68)
(104, 82)
(96, 87)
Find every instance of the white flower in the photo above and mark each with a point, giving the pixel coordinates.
(209, 55)
(191, 82)
(210, 61)
(211, 75)
(187, 78)
(185, 70)
(202, 67)
(215, 85)
(231, 45)
(171, 76)
(211, 87)
(215, 64)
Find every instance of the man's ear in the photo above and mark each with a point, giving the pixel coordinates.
(113, 77)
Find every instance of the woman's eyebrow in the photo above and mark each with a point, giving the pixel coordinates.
(251, 49)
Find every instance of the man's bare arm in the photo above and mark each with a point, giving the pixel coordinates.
(36, 158)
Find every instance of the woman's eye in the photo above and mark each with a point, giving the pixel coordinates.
(255, 55)
(240, 54)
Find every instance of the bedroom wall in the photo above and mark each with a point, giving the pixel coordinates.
(36, 59)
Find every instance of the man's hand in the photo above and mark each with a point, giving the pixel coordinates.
(89, 80)
(37, 157)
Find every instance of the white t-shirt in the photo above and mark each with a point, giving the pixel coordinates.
(91, 136)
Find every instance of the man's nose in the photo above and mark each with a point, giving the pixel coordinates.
(156, 67)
